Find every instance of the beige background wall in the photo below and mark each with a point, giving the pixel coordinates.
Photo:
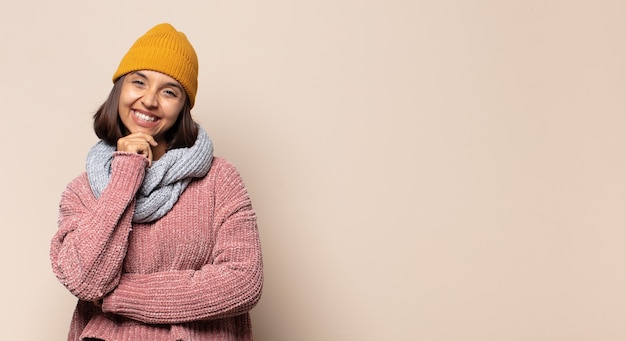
(422, 170)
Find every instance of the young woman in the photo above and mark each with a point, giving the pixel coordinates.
(157, 239)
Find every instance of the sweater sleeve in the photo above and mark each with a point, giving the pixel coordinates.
(230, 285)
(88, 249)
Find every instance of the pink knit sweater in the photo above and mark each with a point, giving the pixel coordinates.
(192, 275)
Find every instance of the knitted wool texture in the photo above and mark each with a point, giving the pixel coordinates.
(165, 50)
(194, 274)
(163, 182)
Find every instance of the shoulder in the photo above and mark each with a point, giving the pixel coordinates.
(222, 168)
(78, 189)
(221, 163)
(79, 184)
(224, 178)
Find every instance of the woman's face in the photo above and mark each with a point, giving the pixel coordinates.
(150, 102)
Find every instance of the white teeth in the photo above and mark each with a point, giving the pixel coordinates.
(145, 117)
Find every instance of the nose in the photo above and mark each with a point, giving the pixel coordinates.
(150, 99)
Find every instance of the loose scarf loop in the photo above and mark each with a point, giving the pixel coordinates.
(163, 182)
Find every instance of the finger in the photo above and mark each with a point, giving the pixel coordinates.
(131, 146)
(147, 137)
(149, 156)
(151, 140)
(143, 148)
(131, 142)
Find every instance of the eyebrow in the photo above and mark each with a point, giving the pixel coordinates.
(176, 85)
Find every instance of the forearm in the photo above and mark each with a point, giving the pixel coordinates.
(88, 250)
(184, 296)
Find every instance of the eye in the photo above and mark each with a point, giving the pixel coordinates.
(170, 93)
(138, 82)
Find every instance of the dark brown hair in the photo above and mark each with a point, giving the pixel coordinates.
(109, 127)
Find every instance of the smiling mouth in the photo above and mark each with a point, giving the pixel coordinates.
(144, 117)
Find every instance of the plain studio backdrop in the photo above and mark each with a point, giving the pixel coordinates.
(422, 170)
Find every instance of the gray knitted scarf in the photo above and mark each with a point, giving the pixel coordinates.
(163, 182)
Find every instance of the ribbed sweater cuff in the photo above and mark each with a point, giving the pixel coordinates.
(127, 171)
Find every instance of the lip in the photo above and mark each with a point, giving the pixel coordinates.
(143, 123)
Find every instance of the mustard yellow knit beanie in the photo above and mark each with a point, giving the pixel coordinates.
(165, 50)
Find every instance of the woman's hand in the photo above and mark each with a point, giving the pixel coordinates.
(140, 143)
